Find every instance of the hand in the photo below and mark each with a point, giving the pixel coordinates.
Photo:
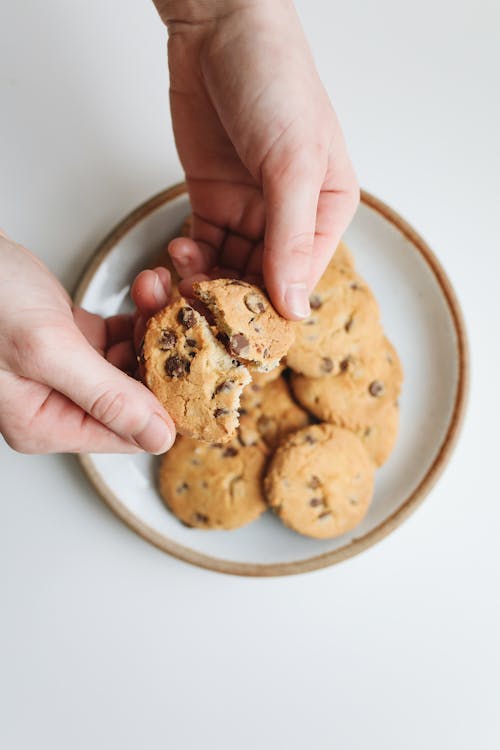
(271, 185)
(62, 380)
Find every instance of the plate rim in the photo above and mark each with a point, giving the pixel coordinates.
(356, 545)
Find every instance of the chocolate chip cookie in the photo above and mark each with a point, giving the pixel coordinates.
(355, 397)
(269, 413)
(344, 321)
(191, 373)
(255, 333)
(213, 486)
(320, 481)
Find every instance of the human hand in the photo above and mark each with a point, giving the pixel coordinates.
(63, 385)
(271, 185)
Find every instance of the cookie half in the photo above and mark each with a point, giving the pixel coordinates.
(213, 486)
(320, 481)
(256, 334)
(191, 373)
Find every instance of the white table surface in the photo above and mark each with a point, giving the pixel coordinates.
(104, 640)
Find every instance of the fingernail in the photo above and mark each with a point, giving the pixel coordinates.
(297, 300)
(156, 437)
(159, 292)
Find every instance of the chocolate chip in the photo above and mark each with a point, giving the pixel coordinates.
(230, 451)
(354, 285)
(242, 411)
(220, 412)
(255, 303)
(315, 301)
(326, 364)
(200, 518)
(223, 338)
(186, 317)
(367, 432)
(237, 343)
(175, 366)
(226, 385)
(182, 487)
(348, 325)
(310, 439)
(167, 340)
(344, 365)
(315, 501)
(376, 389)
(265, 353)
(314, 482)
(192, 342)
(256, 387)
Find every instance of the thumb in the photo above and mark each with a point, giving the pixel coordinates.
(291, 200)
(65, 361)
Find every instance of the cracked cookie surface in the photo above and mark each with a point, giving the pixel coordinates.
(320, 481)
(256, 334)
(213, 486)
(191, 373)
(344, 321)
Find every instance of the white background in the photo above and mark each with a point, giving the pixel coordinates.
(104, 640)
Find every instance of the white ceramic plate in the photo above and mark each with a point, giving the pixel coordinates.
(422, 318)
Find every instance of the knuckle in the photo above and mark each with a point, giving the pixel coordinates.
(301, 246)
(108, 407)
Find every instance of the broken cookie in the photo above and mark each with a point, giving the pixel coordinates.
(255, 333)
(192, 374)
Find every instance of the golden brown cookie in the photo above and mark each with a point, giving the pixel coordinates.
(320, 481)
(270, 413)
(213, 486)
(256, 334)
(355, 397)
(344, 320)
(191, 373)
(380, 436)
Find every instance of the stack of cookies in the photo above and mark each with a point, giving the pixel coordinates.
(302, 437)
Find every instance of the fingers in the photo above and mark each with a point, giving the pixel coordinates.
(64, 361)
(291, 196)
(335, 211)
(50, 423)
(151, 290)
(190, 257)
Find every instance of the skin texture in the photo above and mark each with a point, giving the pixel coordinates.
(270, 182)
(272, 190)
(62, 380)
